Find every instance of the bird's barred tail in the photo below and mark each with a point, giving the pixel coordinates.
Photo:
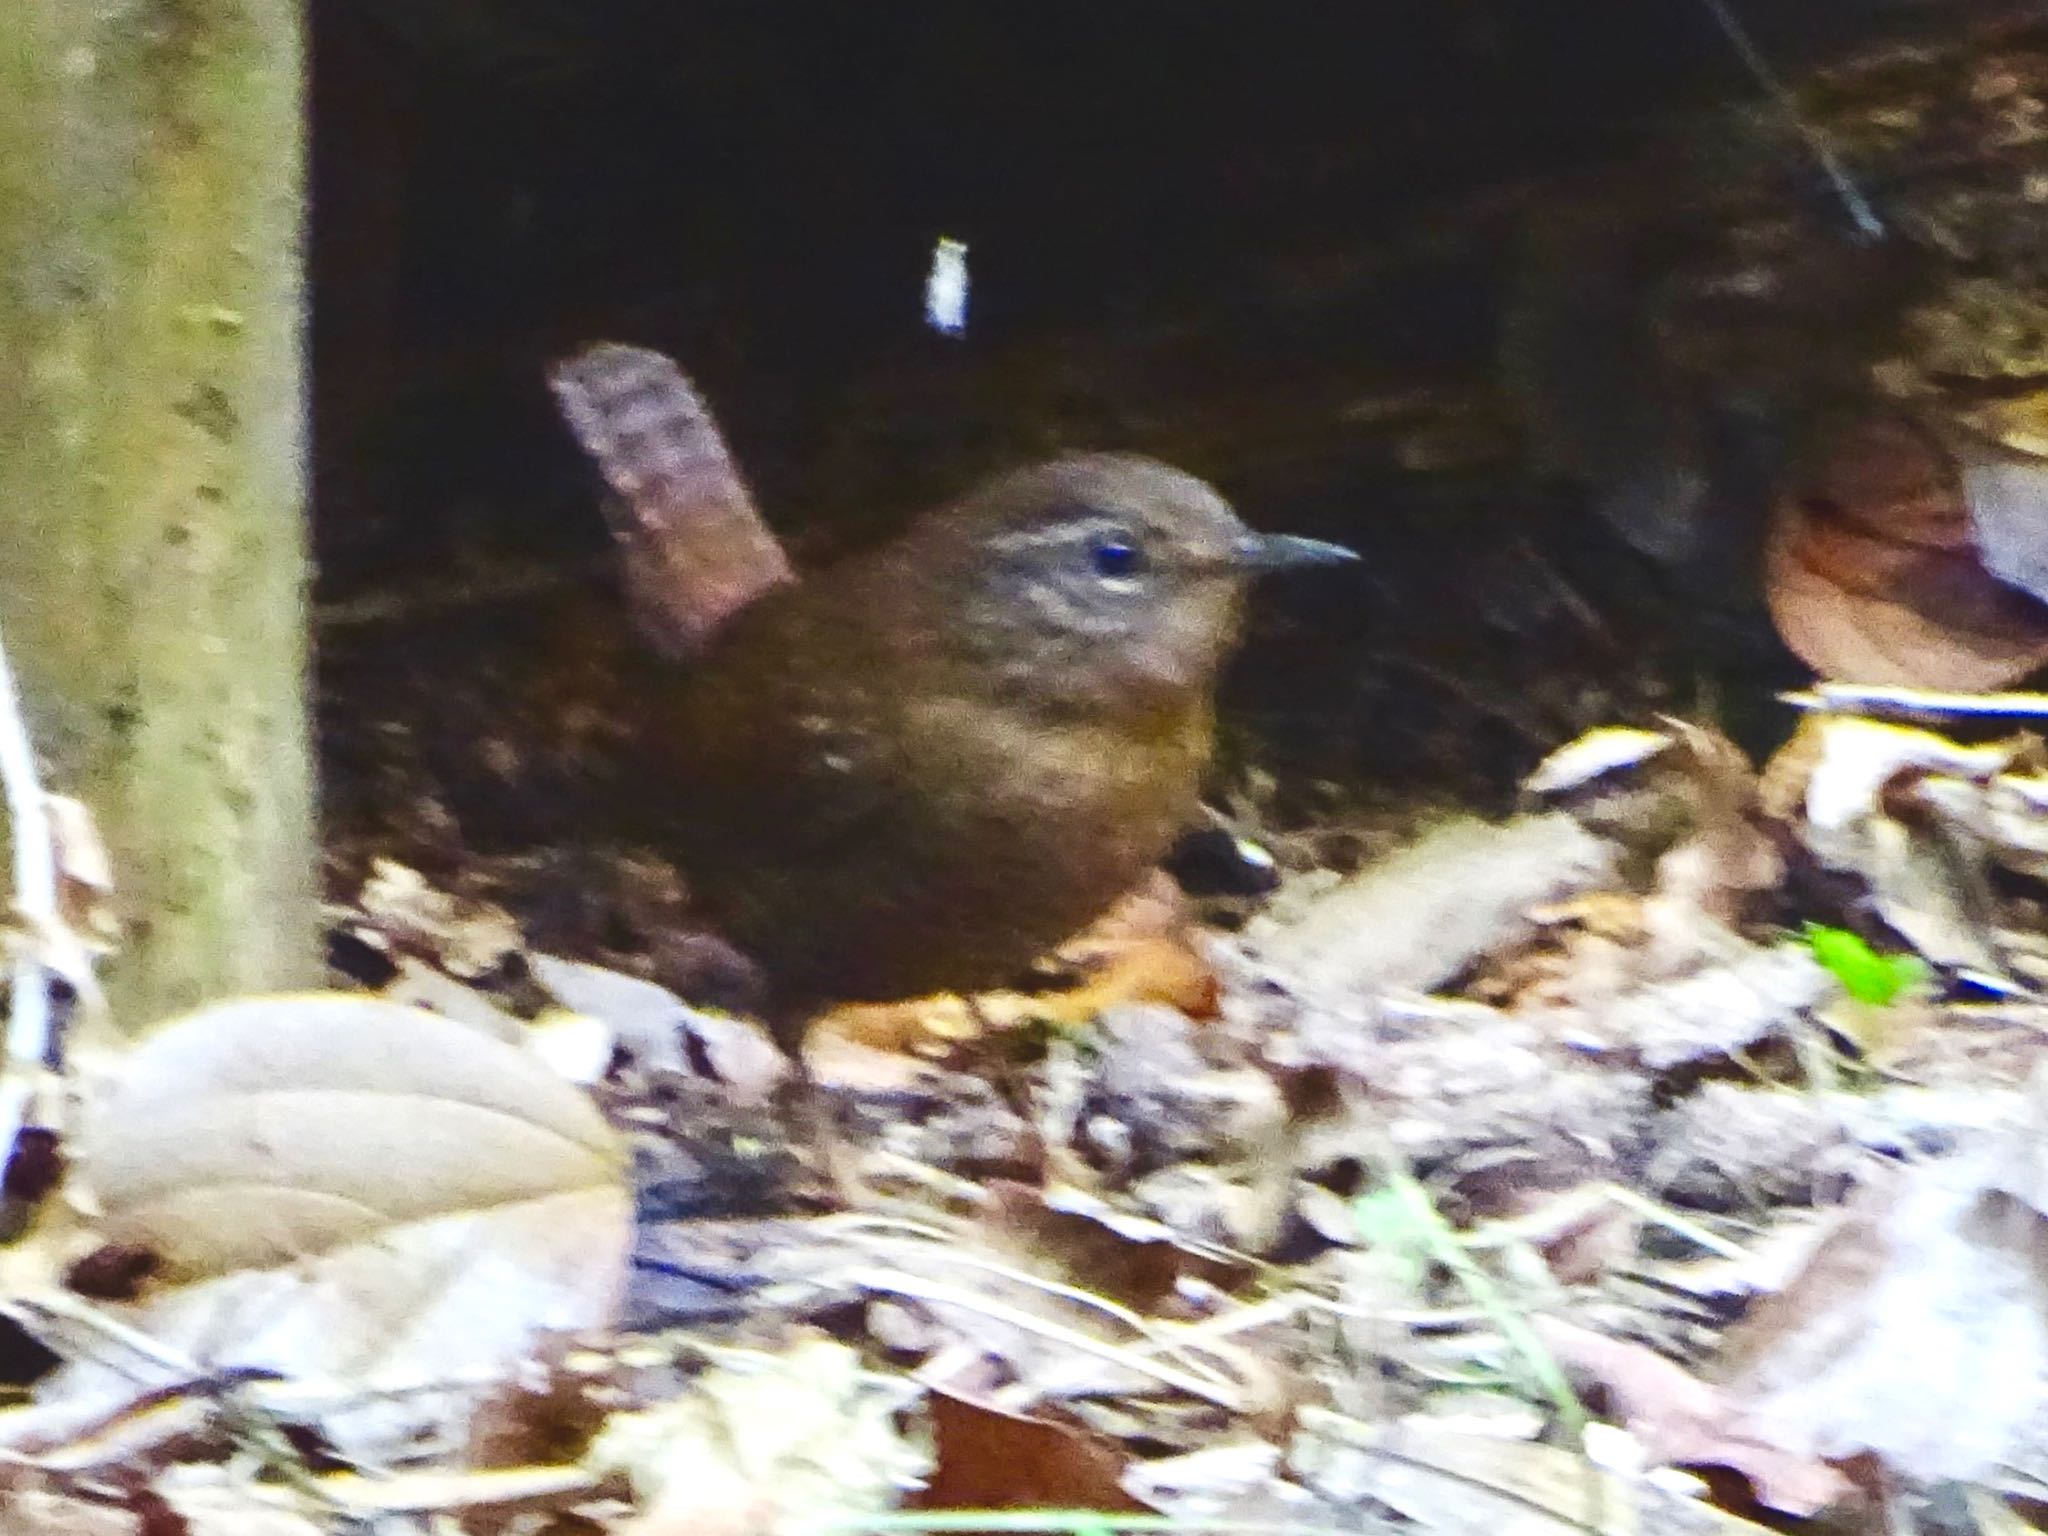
(693, 548)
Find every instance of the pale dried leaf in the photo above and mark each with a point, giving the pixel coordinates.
(2010, 815)
(575, 1045)
(1918, 1329)
(654, 1025)
(85, 874)
(1683, 1421)
(1993, 1516)
(2020, 1148)
(269, 1130)
(420, 985)
(35, 1512)
(1473, 1485)
(648, 1020)
(1755, 994)
(764, 1443)
(1593, 755)
(1208, 1484)
(214, 1503)
(466, 938)
(1854, 760)
(1928, 884)
(2007, 493)
(342, 1187)
(1418, 918)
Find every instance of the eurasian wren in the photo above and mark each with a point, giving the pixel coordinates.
(921, 768)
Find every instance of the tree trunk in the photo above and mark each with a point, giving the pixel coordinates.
(152, 537)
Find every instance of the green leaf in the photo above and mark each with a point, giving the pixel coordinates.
(1388, 1224)
(1865, 975)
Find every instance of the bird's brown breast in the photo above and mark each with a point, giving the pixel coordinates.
(869, 820)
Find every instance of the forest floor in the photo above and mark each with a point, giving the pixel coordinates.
(1667, 1152)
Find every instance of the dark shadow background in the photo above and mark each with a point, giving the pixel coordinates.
(1268, 242)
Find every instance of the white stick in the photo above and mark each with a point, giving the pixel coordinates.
(1916, 703)
(35, 902)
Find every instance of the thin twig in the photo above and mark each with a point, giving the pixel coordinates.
(928, 1245)
(1862, 215)
(917, 1288)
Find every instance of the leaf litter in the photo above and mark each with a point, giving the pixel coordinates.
(1664, 1156)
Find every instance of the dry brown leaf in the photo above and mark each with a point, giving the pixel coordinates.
(1683, 802)
(406, 915)
(1872, 574)
(1581, 1235)
(343, 1188)
(988, 1459)
(2013, 819)
(1130, 1259)
(1657, 974)
(1728, 854)
(1583, 950)
(1143, 950)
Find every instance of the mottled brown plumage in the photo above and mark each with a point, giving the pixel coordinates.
(921, 768)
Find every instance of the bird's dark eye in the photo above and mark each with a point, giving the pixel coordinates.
(1116, 554)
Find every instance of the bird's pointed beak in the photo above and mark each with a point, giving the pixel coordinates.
(1285, 551)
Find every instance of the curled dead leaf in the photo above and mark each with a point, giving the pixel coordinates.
(1886, 803)
(1873, 574)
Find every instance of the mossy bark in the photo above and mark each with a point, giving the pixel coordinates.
(152, 482)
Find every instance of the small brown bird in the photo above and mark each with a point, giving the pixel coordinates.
(920, 769)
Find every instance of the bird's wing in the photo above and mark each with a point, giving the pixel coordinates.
(781, 744)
